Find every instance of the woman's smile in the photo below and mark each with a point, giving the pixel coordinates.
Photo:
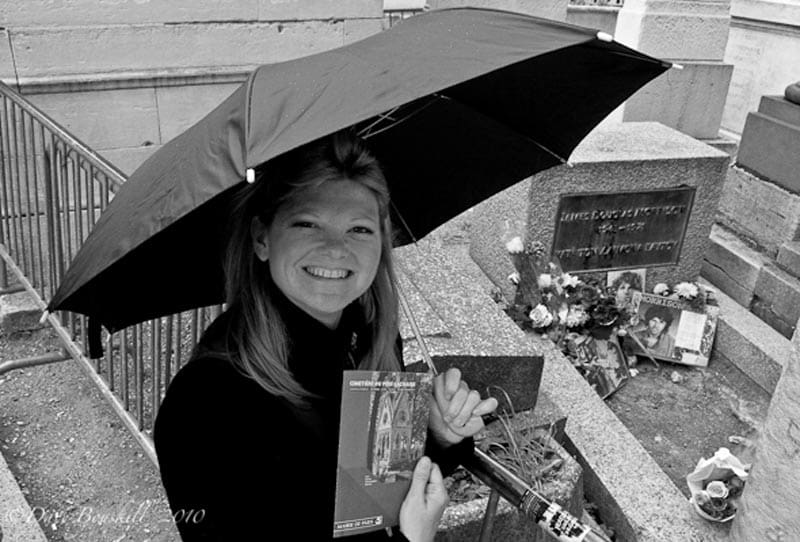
(323, 247)
(324, 273)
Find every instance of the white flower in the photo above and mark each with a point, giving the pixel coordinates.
(661, 289)
(540, 316)
(545, 280)
(563, 310)
(634, 372)
(569, 280)
(717, 489)
(514, 246)
(686, 290)
(576, 316)
(513, 278)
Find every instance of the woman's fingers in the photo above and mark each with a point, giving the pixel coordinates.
(487, 406)
(464, 411)
(452, 381)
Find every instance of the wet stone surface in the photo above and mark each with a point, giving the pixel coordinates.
(680, 414)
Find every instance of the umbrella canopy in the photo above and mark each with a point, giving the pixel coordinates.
(456, 104)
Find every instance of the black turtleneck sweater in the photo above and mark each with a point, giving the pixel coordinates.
(239, 464)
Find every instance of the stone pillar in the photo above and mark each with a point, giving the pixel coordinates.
(692, 33)
(768, 508)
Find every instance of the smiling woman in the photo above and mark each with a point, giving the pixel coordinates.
(326, 247)
(248, 429)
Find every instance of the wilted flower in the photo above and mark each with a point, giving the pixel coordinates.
(514, 246)
(588, 295)
(545, 280)
(513, 278)
(661, 289)
(540, 316)
(569, 281)
(576, 316)
(686, 290)
(605, 312)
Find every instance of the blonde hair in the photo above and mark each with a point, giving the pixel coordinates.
(257, 337)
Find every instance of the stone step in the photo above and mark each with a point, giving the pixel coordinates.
(763, 285)
(789, 257)
(747, 342)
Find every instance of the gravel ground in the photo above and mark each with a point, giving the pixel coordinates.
(82, 473)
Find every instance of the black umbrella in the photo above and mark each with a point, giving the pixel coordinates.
(456, 104)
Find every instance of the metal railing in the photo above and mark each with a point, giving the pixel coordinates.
(53, 188)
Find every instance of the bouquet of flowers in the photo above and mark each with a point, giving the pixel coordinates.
(716, 484)
(554, 302)
(693, 293)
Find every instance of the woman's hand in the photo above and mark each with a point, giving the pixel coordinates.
(455, 409)
(424, 504)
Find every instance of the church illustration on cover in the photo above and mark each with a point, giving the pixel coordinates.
(394, 446)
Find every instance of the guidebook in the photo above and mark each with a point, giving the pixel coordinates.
(382, 435)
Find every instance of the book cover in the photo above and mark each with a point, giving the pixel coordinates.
(382, 435)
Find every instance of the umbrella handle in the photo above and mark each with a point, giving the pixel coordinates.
(551, 517)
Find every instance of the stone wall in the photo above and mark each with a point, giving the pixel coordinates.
(764, 47)
(125, 76)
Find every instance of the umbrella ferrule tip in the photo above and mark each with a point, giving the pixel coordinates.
(251, 175)
(605, 36)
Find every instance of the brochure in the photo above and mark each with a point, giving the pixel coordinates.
(382, 435)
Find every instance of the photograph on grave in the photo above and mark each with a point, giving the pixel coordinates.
(671, 330)
(600, 361)
(627, 287)
(621, 230)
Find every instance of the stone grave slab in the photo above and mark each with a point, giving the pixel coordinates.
(622, 158)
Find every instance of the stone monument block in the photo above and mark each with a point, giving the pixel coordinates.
(549, 9)
(690, 100)
(629, 159)
(675, 29)
(770, 145)
(760, 210)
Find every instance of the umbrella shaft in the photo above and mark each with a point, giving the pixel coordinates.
(548, 515)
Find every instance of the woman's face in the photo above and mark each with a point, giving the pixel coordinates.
(655, 326)
(323, 247)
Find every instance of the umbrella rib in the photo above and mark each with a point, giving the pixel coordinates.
(516, 132)
(366, 133)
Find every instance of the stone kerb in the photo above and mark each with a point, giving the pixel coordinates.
(635, 496)
(615, 158)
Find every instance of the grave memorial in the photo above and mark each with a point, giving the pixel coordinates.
(606, 231)
(633, 195)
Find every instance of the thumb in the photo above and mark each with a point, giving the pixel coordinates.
(435, 490)
(419, 480)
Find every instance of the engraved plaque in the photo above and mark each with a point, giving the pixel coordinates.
(621, 230)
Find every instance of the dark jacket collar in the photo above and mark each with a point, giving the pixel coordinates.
(317, 354)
